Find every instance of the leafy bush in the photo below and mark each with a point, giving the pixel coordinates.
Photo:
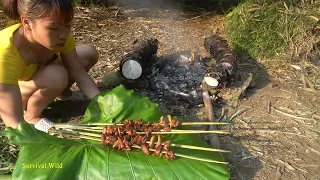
(265, 28)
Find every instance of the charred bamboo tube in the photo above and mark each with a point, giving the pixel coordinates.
(225, 58)
(138, 59)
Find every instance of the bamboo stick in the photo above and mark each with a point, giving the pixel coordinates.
(171, 144)
(187, 156)
(187, 132)
(194, 147)
(74, 133)
(118, 124)
(169, 132)
(204, 123)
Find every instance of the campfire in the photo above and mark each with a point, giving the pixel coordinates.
(182, 75)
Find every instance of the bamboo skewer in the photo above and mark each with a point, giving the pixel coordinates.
(163, 152)
(194, 147)
(187, 132)
(187, 156)
(118, 124)
(165, 132)
(171, 144)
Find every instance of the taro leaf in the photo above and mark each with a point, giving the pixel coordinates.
(120, 104)
(87, 160)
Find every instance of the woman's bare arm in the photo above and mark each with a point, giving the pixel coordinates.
(11, 105)
(79, 75)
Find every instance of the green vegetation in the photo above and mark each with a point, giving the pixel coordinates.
(273, 29)
(8, 154)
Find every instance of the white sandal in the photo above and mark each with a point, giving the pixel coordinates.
(43, 125)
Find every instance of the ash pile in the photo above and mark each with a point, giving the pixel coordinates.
(176, 77)
(179, 77)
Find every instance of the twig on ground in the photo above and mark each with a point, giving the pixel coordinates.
(195, 17)
(303, 79)
(309, 83)
(246, 84)
(6, 168)
(315, 116)
(239, 112)
(117, 13)
(244, 87)
(214, 140)
(310, 90)
(291, 115)
(83, 17)
(313, 150)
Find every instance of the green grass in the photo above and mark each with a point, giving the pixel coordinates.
(273, 29)
(8, 154)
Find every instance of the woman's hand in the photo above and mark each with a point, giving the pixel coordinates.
(11, 105)
(78, 73)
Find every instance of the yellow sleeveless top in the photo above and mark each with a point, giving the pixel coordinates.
(12, 66)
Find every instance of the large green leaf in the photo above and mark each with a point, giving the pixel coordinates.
(90, 160)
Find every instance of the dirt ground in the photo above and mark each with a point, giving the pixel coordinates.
(276, 136)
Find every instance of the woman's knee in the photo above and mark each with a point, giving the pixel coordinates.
(88, 55)
(54, 76)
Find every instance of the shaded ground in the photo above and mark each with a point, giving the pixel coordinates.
(266, 143)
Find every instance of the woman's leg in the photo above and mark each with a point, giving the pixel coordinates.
(88, 56)
(42, 89)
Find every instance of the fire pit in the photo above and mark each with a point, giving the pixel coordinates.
(180, 77)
